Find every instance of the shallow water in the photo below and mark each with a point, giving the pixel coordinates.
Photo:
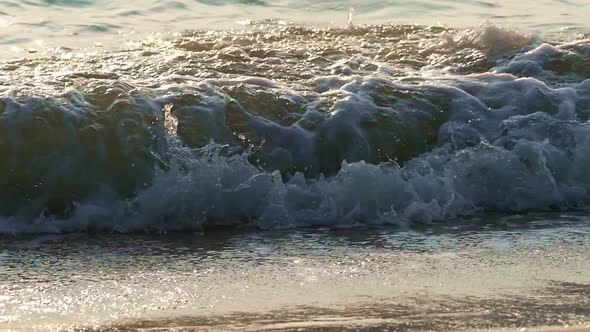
(492, 272)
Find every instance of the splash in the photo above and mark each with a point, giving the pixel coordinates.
(349, 23)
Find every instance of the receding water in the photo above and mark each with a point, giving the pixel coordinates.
(486, 272)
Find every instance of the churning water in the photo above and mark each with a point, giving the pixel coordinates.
(280, 124)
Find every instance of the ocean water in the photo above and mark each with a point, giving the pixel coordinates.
(372, 155)
(283, 126)
(39, 25)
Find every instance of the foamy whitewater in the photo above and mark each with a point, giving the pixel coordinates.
(278, 124)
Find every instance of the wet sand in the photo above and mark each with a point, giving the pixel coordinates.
(500, 314)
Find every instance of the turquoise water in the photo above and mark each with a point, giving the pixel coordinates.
(37, 25)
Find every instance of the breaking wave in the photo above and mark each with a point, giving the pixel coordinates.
(285, 126)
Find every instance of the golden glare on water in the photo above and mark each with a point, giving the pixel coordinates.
(450, 278)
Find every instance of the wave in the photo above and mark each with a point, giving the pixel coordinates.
(282, 127)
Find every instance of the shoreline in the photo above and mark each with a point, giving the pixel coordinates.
(506, 276)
